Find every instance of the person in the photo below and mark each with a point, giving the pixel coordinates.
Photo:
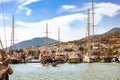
(4, 68)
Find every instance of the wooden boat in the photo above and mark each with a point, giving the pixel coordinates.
(5, 70)
(106, 59)
(60, 57)
(74, 58)
(118, 58)
(15, 58)
(87, 59)
(45, 57)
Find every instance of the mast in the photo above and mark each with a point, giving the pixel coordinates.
(46, 36)
(58, 34)
(88, 30)
(58, 38)
(93, 21)
(12, 34)
(4, 23)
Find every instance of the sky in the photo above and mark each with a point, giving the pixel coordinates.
(70, 16)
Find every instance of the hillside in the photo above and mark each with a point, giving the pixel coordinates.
(113, 30)
(110, 39)
(34, 42)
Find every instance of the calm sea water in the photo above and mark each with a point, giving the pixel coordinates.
(82, 71)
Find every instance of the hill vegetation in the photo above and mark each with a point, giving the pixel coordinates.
(107, 43)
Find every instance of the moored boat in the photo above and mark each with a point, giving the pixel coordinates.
(74, 58)
(15, 58)
(45, 57)
(87, 59)
(59, 57)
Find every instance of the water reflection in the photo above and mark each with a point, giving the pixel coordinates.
(83, 71)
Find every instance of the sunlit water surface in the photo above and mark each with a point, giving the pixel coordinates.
(82, 71)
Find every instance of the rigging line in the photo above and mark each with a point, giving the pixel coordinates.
(4, 23)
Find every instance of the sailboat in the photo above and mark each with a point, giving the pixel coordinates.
(5, 69)
(87, 58)
(74, 58)
(45, 57)
(59, 56)
(15, 58)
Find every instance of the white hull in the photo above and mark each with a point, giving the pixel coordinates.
(87, 59)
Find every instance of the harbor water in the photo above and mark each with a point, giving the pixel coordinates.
(66, 71)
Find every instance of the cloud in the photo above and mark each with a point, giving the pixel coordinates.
(25, 3)
(103, 9)
(65, 8)
(64, 22)
(26, 30)
(108, 9)
(1, 17)
(8, 1)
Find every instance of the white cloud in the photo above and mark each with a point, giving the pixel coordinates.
(1, 17)
(67, 32)
(25, 31)
(108, 9)
(25, 3)
(103, 9)
(7, 1)
(68, 8)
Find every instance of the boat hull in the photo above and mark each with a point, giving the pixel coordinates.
(87, 59)
(15, 61)
(74, 60)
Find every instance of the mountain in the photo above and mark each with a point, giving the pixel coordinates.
(113, 30)
(34, 42)
(111, 38)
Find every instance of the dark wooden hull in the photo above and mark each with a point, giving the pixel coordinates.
(74, 60)
(15, 61)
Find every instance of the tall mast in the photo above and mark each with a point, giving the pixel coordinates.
(88, 30)
(93, 21)
(4, 23)
(58, 38)
(58, 34)
(12, 35)
(46, 36)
